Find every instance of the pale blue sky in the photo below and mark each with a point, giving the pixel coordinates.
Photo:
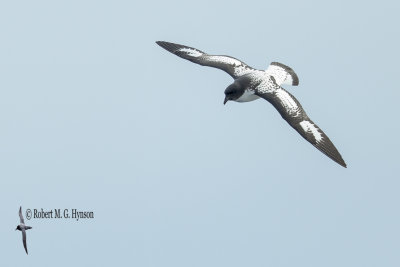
(95, 116)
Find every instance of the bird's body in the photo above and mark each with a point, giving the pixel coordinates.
(22, 227)
(251, 84)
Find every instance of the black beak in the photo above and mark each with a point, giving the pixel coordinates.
(226, 100)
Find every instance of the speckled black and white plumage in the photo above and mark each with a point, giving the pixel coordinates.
(230, 65)
(22, 227)
(250, 84)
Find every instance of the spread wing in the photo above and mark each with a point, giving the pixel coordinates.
(230, 65)
(21, 218)
(24, 239)
(291, 110)
(283, 74)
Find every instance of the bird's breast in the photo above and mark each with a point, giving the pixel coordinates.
(247, 96)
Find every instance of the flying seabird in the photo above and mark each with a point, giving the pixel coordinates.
(251, 84)
(22, 227)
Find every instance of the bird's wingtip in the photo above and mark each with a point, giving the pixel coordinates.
(161, 43)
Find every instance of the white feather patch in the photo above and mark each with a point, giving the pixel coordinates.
(191, 52)
(287, 101)
(283, 74)
(309, 127)
(225, 60)
(280, 75)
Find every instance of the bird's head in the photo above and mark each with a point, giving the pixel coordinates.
(233, 92)
(17, 228)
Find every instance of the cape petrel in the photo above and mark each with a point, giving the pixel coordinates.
(251, 84)
(22, 227)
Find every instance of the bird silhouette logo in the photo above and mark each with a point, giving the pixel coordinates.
(22, 227)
